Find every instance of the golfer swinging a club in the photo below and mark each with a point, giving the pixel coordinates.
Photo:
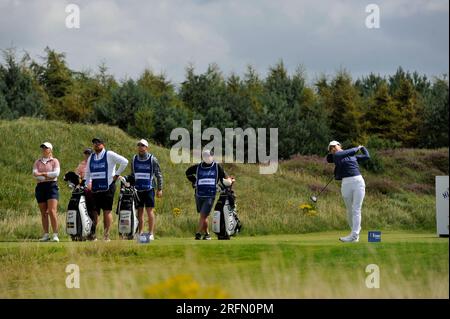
(353, 187)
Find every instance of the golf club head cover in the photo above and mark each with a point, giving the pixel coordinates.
(330, 158)
(72, 177)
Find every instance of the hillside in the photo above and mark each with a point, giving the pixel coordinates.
(402, 197)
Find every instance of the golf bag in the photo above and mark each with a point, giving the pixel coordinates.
(78, 221)
(226, 222)
(126, 208)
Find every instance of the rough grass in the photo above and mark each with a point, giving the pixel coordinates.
(412, 265)
(400, 198)
(260, 264)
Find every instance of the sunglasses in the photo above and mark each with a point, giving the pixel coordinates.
(140, 145)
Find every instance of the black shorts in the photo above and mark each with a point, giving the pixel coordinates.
(104, 200)
(45, 191)
(204, 204)
(146, 199)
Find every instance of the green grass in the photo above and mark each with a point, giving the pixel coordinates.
(400, 198)
(282, 253)
(412, 265)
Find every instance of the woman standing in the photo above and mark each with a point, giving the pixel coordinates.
(353, 187)
(81, 168)
(46, 171)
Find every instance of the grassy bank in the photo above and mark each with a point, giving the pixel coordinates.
(402, 197)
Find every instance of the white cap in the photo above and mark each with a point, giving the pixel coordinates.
(47, 145)
(207, 156)
(207, 153)
(143, 142)
(333, 143)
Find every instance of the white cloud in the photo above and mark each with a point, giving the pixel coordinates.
(166, 35)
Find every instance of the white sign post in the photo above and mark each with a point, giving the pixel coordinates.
(442, 197)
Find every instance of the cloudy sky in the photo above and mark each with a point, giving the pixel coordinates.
(166, 36)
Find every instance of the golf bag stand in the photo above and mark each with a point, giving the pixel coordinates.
(226, 222)
(78, 221)
(126, 209)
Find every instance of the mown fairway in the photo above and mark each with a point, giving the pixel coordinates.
(412, 265)
(282, 252)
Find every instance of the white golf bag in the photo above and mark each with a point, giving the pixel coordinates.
(126, 209)
(78, 222)
(226, 222)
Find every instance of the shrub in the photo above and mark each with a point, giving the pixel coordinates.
(375, 164)
(375, 142)
(382, 186)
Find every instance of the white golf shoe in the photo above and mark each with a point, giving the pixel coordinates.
(55, 238)
(46, 237)
(151, 237)
(350, 239)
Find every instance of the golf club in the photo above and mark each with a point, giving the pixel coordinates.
(314, 198)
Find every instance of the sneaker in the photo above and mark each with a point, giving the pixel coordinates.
(198, 236)
(206, 237)
(151, 237)
(46, 237)
(55, 238)
(91, 237)
(350, 239)
(106, 239)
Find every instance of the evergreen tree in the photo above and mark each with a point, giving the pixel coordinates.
(5, 112)
(164, 112)
(368, 85)
(18, 89)
(434, 132)
(344, 105)
(407, 104)
(156, 85)
(56, 78)
(382, 116)
(204, 95)
(254, 91)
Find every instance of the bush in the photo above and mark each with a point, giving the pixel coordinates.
(383, 186)
(375, 164)
(439, 160)
(376, 142)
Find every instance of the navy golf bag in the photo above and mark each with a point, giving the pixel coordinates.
(78, 220)
(126, 208)
(226, 222)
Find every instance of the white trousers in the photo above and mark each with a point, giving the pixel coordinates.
(353, 190)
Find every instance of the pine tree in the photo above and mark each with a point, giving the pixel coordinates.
(434, 132)
(56, 78)
(344, 105)
(382, 116)
(205, 95)
(18, 89)
(5, 112)
(407, 104)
